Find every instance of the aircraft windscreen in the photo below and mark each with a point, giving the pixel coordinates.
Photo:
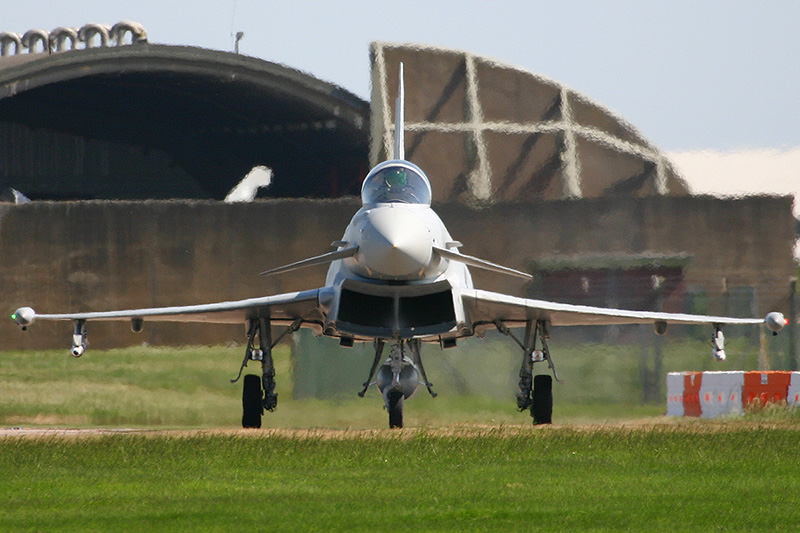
(396, 184)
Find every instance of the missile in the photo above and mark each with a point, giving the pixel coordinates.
(718, 345)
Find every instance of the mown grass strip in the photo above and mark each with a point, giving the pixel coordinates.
(726, 476)
(190, 387)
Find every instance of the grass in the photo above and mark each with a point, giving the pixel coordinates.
(468, 462)
(779, 413)
(697, 477)
(190, 387)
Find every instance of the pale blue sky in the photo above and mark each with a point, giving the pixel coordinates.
(690, 75)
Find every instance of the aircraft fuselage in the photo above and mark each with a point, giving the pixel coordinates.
(395, 285)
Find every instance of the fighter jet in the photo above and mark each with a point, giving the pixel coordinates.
(396, 279)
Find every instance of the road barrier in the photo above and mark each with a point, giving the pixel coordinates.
(713, 394)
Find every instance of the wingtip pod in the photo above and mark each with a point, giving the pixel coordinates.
(24, 316)
(775, 322)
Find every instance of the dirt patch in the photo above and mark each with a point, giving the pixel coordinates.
(693, 425)
(455, 430)
(50, 420)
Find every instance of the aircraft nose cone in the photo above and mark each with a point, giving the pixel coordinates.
(395, 243)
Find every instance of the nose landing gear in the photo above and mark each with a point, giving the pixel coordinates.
(398, 377)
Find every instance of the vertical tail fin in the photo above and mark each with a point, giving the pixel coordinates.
(399, 120)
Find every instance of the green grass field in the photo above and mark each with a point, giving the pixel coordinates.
(687, 477)
(465, 462)
(189, 387)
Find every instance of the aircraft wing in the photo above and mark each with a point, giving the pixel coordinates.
(281, 308)
(484, 307)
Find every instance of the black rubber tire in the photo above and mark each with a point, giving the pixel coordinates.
(252, 406)
(395, 406)
(542, 406)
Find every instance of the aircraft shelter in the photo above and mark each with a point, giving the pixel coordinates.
(525, 171)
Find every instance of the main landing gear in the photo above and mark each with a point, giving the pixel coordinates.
(259, 394)
(398, 377)
(535, 392)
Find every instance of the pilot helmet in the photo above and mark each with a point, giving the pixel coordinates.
(396, 177)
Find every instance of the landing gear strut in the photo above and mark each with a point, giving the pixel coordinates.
(259, 394)
(535, 392)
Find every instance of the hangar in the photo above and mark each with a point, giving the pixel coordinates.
(497, 133)
(526, 170)
(134, 120)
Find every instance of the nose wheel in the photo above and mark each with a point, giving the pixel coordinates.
(398, 377)
(394, 404)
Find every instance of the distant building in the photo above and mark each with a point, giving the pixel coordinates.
(122, 120)
(525, 171)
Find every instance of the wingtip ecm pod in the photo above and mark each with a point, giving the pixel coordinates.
(24, 317)
(775, 322)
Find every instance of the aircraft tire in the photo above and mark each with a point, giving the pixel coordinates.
(395, 407)
(252, 407)
(542, 407)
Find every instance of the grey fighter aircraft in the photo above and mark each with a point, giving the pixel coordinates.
(399, 279)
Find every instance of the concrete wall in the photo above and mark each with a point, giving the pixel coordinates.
(727, 243)
(80, 256)
(113, 255)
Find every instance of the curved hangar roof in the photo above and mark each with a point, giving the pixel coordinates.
(155, 121)
(485, 131)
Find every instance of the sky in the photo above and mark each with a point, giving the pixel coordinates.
(720, 78)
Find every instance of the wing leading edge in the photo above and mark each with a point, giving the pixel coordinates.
(286, 307)
(489, 307)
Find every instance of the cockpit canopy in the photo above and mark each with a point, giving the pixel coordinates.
(396, 181)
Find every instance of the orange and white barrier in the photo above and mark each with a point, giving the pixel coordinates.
(793, 394)
(712, 394)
